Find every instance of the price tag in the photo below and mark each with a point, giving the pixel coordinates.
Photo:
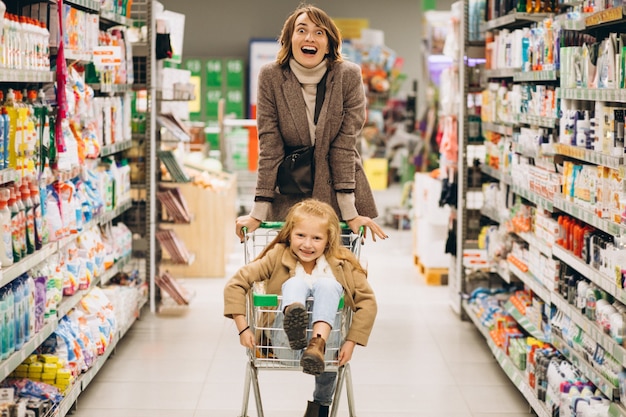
(612, 14)
(107, 56)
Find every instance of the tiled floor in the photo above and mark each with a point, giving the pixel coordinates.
(422, 361)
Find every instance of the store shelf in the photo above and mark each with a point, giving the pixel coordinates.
(78, 56)
(498, 128)
(588, 217)
(603, 384)
(68, 401)
(523, 321)
(575, 25)
(617, 95)
(541, 121)
(26, 76)
(87, 5)
(9, 273)
(113, 270)
(534, 198)
(605, 282)
(588, 155)
(8, 365)
(112, 18)
(115, 148)
(493, 214)
(535, 242)
(497, 174)
(611, 16)
(591, 328)
(503, 271)
(526, 151)
(110, 215)
(512, 20)
(536, 76)
(531, 282)
(516, 376)
(112, 88)
(501, 72)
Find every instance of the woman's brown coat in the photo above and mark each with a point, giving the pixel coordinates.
(282, 121)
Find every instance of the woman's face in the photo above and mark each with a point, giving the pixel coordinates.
(309, 43)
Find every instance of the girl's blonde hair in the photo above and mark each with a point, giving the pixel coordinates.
(302, 212)
(321, 19)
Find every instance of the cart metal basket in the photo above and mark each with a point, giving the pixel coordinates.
(265, 319)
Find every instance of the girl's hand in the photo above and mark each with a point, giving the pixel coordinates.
(246, 221)
(246, 339)
(356, 223)
(345, 354)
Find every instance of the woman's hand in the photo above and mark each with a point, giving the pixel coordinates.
(356, 223)
(345, 353)
(248, 222)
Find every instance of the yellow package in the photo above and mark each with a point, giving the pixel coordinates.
(47, 358)
(35, 367)
(63, 375)
(30, 359)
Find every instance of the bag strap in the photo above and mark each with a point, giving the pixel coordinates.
(319, 97)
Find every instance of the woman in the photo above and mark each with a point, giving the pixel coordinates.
(311, 96)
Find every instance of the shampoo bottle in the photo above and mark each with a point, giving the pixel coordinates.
(6, 243)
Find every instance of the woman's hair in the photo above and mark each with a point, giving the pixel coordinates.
(302, 212)
(321, 19)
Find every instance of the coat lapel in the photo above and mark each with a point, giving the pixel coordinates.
(295, 103)
(321, 121)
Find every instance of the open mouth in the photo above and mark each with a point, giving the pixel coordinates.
(309, 50)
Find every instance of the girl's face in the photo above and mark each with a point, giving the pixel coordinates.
(308, 241)
(309, 43)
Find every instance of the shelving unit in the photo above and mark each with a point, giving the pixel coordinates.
(557, 205)
(11, 273)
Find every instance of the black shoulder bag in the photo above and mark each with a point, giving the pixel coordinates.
(297, 171)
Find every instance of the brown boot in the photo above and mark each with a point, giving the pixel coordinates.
(312, 360)
(295, 322)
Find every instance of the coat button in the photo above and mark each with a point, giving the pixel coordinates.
(327, 156)
(330, 181)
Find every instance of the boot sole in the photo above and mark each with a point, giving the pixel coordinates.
(295, 323)
(312, 364)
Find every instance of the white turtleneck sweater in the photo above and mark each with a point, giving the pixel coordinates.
(309, 78)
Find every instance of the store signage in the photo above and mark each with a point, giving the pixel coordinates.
(107, 56)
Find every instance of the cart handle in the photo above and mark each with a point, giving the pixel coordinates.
(279, 225)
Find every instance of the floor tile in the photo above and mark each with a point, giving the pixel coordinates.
(494, 399)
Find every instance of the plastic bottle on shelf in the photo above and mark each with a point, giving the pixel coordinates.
(22, 220)
(2, 123)
(6, 243)
(4, 328)
(15, 227)
(37, 214)
(29, 216)
(10, 300)
(18, 320)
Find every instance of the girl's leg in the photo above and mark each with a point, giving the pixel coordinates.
(295, 289)
(325, 388)
(294, 292)
(326, 296)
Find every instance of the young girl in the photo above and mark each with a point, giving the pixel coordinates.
(307, 258)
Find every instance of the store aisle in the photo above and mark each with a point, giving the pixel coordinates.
(422, 361)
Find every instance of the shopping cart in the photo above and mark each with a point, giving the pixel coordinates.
(265, 318)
